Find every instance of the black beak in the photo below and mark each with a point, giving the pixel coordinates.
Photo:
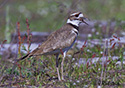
(83, 20)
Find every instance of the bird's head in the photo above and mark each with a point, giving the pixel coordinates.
(76, 18)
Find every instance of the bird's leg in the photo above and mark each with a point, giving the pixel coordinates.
(64, 55)
(57, 67)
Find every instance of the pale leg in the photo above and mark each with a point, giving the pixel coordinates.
(64, 55)
(58, 73)
(57, 67)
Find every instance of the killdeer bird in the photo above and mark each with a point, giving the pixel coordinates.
(60, 41)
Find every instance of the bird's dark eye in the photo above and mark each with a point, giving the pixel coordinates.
(77, 15)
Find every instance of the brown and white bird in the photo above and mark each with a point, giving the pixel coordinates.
(60, 41)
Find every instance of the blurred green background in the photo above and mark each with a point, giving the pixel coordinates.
(49, 15)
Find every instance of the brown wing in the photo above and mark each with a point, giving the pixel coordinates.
(57, 40)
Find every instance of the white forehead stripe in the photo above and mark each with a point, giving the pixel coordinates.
(81, 15)
(74, 14)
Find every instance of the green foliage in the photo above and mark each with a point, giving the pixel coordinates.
(42, 72)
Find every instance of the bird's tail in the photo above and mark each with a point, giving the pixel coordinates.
(22, 58)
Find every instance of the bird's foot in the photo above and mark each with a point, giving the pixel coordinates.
(59, 79)
(63, 79)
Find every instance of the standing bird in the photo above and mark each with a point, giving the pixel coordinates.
(59, 41)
